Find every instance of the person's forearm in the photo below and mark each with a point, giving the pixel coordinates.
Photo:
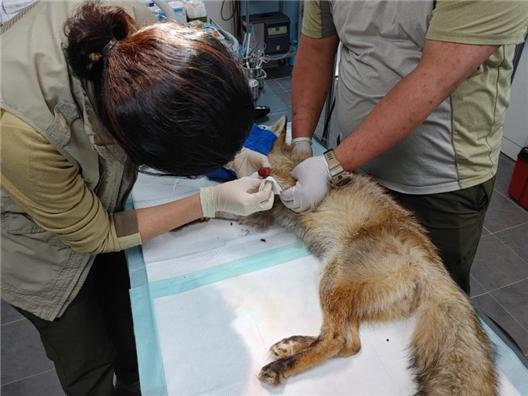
(159, 219)
(312, 75)
(411, 101)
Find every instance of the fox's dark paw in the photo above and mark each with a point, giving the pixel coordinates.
(291, 345)
(272, 373)
(261, 220)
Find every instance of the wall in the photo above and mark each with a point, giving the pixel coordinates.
(213, 8)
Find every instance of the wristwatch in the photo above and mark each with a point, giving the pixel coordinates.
(338, 176)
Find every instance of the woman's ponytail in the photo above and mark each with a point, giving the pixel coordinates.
(91, 33)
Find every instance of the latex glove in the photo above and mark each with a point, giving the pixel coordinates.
(247, 162)
(240, 197)
(302, 146)
(313, 180)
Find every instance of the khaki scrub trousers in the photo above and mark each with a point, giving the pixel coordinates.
(94, 338)
(454, 221)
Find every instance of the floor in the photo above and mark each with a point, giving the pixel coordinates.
(499, 279)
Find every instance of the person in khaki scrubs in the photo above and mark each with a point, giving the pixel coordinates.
(86, 98)
(420, 101)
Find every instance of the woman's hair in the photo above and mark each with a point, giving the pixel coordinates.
(173, 97)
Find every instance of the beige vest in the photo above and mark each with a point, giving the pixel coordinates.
(40, 274)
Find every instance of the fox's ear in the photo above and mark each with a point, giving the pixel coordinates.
(279, 128)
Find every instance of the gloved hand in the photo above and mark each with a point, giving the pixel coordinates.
(240, 197)
(302, 146)
(247, 162)
(313, 180)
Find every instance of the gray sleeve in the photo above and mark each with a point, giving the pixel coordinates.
(317, 20)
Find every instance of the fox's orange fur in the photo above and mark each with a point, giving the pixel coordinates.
(379, 265)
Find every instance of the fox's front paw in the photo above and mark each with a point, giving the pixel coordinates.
(271, 374)
(291, 346)
(281, 349)
(261, 220)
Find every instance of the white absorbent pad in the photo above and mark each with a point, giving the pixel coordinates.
(215, 338)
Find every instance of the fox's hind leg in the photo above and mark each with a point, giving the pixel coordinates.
(335, 303)
(352, 343)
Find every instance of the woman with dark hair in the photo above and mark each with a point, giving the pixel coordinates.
(87, 98)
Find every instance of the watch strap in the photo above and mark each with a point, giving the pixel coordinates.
(338, 176)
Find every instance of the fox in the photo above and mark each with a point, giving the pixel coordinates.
(378, 265)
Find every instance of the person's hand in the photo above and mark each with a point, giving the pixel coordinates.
(247, 162)
(302, 146)
(240, 197)
(312, 185)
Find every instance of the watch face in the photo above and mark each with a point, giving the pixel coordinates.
(341, 179)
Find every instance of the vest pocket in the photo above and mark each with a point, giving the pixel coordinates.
(67, 133)
(59, 132)
(19, 223)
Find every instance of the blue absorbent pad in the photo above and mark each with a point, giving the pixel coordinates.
(259, 139)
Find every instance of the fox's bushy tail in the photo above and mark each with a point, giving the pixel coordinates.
(451, 353)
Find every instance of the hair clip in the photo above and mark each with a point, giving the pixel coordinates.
(108, 47)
